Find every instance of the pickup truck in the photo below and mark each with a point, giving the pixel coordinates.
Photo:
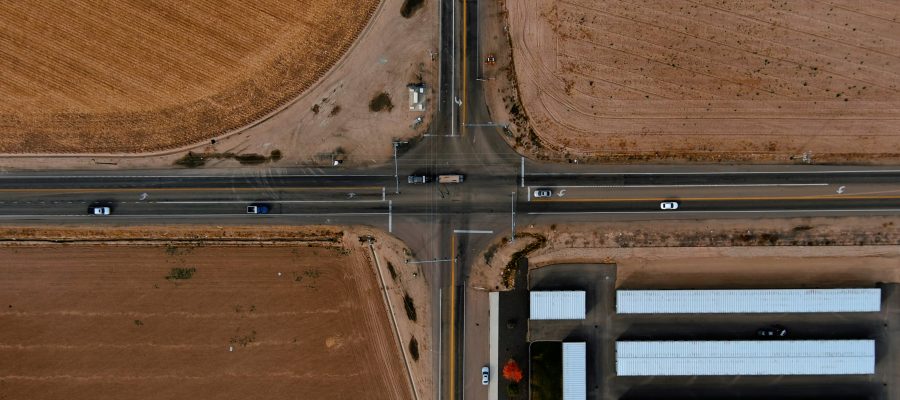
(451, 178)
(418, 179)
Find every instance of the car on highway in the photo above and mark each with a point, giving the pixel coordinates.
(485, 375)
(418, 179)
(542, 193)
(258, 208)
(668, 205)
(99, 210)
(774, 331)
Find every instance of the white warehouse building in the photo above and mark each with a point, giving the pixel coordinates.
(761, 357)
(574, 370)
(553, 305)
(747, 301)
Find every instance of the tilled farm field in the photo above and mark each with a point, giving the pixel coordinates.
(114, 322)
(796, 81)
(135, 76)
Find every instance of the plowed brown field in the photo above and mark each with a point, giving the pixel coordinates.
(138, 76)
(95, 322)
(711, 80)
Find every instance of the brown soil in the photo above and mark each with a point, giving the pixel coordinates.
(821, 251)
(146, 76)
(102, 321)
(703, 81)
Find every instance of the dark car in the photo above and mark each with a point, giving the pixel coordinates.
(258, 209)
(774, 331)
(418, 179)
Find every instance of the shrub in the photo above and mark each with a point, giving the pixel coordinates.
(414, 348)
(191, 160)
(181, 273)
(392, 271)
(251, 158)
(275, 155)
(409, 7)
(381, 102)
(410, 307)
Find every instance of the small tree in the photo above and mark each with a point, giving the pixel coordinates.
(512, 372)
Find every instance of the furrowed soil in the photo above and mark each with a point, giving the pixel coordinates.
(709, 81)
(135, 76)
(104, 322)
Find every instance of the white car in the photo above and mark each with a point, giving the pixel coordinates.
(485, 375)
(668, 205)
(543, 193)
(99, 210)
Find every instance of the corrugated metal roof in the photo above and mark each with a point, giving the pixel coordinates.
(773, 357)
(747, 301)
(574, 370)
(557, 305)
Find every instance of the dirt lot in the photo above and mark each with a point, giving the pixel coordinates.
(120, 77)
(755, 81)
(789, 252)
(114, 319)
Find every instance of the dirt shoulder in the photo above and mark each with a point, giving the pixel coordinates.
(638, 82)
(828, 251)
(330, 120)
(337, 323)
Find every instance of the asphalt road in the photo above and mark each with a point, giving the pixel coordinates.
(438, 221)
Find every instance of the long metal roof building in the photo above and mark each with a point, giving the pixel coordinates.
(574, 370)
(747, 301)
(772, 357)
(557, 305)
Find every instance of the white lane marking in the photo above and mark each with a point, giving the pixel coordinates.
(265, 201)
(687, 186)
(471, 231)
(714, 211)
(187, 215)
(876, 171)
(8, 176)
(390, 216)
(523, 172)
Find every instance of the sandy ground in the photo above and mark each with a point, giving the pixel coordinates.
(410, 279)
(391, 52)
(300, 315)
(818, 251)
(700, 81)
(131, 77)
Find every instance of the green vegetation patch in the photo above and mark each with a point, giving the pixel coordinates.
(546, 371)
(180, 274)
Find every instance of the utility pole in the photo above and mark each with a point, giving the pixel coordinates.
(396, 168)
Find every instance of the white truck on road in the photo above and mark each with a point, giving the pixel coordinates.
(454, 178)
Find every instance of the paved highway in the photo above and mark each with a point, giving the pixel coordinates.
(436, 220)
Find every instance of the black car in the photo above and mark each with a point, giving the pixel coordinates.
(774, 331)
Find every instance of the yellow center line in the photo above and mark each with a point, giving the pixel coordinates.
(763, 198)
(242, 189)
(452, 314)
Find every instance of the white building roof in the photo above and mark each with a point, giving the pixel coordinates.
(557, 305)
(772, 357)
(574, 370)
(747, 301)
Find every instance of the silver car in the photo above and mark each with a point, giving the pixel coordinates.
(485, 375)
(542, 193)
